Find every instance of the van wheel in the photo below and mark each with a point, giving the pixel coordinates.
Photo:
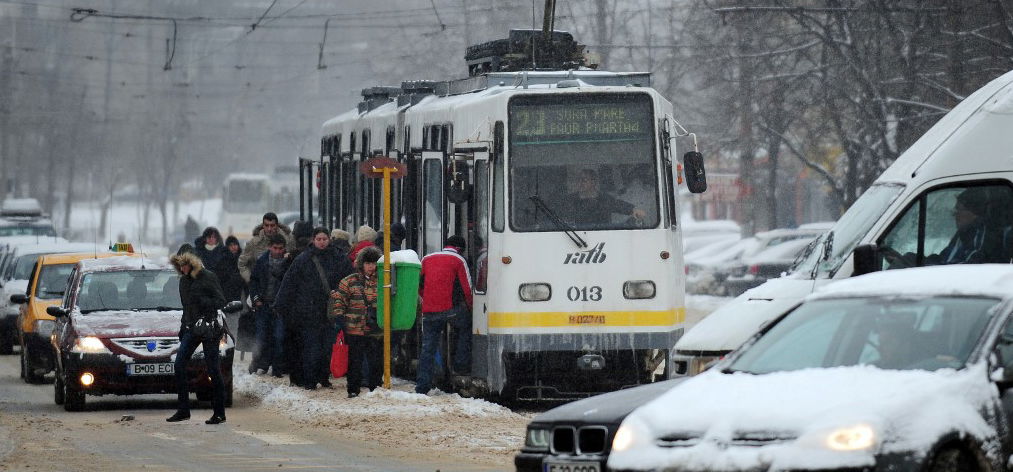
(27, 369)
(73, 397)
(953, 460)
(59, 395)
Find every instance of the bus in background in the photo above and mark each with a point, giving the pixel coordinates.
(245, 199)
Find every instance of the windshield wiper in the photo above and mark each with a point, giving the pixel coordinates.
(157, 308)
(567, 229)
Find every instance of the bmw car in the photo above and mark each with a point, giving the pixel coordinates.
(117, 333)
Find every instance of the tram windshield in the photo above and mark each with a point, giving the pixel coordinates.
(582, 162)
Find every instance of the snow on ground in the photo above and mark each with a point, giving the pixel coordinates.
(471, 428)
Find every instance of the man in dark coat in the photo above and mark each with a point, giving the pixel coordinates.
(265, 281)
(202, 297)
(303, 299)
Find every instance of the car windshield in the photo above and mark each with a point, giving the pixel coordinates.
(53, 281)
(890, 333)
(129, 290)
(848, 231)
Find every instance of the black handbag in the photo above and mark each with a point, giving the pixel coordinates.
(208, 328)
(371, 322)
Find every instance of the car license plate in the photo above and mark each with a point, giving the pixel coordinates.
(571, 466)
(150, 369)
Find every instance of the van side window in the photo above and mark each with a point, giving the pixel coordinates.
(961, 224)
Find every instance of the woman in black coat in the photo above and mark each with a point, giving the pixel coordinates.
(202, 297)
(302, 301)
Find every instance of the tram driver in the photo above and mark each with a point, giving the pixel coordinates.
(590, 207)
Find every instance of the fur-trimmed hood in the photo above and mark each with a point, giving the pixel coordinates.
(283, 228)
(185, 258)
(367, 254)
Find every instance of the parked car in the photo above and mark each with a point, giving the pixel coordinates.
(699, 233)
(906, 370)
(23, 216)
(578, 436)
(707, 274)
(18, 261)
(769, 263)
(117, 331)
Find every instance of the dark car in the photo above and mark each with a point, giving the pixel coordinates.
(577, 437)
(767, 264)
(904, 370)
(117, 332)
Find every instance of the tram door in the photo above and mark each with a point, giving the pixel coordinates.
(432, 208)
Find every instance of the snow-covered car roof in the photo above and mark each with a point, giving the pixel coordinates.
(990, 280)
(135, 261)
(53, 248)
(30, 239)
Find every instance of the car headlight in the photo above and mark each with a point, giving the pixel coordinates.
(852, 438)
(537, 438)
(44, 327)
(638, 289)
(536, 292)
(89, 345)
(632, 433)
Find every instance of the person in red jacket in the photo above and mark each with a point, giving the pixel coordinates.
(445, 287)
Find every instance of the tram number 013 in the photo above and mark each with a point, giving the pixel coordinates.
(584, 294)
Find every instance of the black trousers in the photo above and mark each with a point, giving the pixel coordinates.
(370, 349)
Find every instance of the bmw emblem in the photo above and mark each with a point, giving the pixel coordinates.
(151, 346)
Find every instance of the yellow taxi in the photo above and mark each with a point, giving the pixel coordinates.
(46, 287)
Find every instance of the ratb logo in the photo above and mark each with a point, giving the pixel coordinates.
(595, 255)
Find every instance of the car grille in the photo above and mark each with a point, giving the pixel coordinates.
(163, 346)
(583, 440)
(742, 439)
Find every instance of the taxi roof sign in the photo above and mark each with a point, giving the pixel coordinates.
(121, 247)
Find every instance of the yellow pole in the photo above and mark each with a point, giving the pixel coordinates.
(387, 264)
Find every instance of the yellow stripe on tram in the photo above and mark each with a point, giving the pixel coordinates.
(551, 319)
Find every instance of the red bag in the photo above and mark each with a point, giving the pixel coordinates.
(339, 356)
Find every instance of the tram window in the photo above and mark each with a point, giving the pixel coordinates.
(497, 179)
(445, 143)
(480, 196)
(407, 146)
(325, 146)
(425, 137)
(433, 211)
(609, 177)
(389, 144)
(351, 144)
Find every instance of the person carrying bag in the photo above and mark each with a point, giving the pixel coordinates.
(202, 297)
(354, 300)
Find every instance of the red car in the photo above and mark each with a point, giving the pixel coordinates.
(117, 332)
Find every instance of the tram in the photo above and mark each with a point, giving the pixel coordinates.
(564, 183)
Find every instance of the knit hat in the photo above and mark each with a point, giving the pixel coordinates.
(365, 233)
(338, 233)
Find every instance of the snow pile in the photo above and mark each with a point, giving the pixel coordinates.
(397, 418)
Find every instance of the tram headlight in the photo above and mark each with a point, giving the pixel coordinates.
(536, 292)
(638, 289)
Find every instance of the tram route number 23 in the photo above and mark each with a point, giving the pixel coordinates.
(584, 294)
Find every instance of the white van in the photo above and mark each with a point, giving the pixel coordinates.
(947, 199)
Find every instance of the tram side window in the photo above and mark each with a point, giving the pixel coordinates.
(480, 243)
(952, 225)
(433, 211)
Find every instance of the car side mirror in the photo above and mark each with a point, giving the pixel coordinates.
(234, 306)
(19, 298)
(696, 176)
(56, 311)
(866, 259)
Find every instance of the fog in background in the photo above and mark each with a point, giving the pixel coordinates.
(155, 102)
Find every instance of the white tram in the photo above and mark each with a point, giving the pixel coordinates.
(565, 185)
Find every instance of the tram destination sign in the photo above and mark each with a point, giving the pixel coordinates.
(580, 122)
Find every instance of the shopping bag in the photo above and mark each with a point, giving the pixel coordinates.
(339, 356)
